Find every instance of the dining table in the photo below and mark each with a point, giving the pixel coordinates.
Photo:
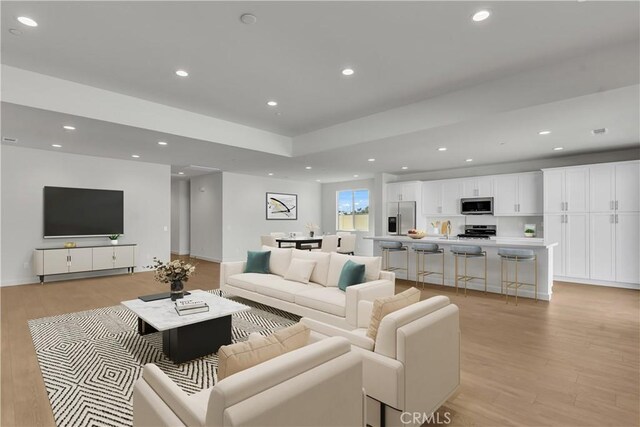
(301, 242)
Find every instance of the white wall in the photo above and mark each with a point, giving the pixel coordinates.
(25, 171)
(329, 211)
(206, 217)
(244, 211)
(180, 217)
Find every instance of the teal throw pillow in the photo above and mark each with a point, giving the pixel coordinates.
(351, 274)
(257, 262)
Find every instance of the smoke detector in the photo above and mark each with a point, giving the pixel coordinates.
(600, 131)
(7, 139)
(248, 19)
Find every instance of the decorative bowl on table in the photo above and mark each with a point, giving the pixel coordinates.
(416, 234)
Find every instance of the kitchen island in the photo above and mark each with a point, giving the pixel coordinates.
(543, 250)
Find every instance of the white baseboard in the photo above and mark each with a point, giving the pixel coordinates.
(605, 283)
(205, 258)
(179, 254)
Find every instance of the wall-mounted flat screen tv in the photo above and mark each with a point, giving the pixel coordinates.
(73, 212)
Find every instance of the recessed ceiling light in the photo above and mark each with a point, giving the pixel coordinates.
(27, 21)
(481, 15)
(348, 72)
(135, 156)
(371, 160)
(544, 132)
(404, 168)
(182, 73)
(307, 167)
(56, 145)
(67, 127)
(272, 103)
(162, 143)
(355, 176)
(558, 148)
(180, 173)
(249, 19)
(270, 174)
(469, 160)
(442, 149)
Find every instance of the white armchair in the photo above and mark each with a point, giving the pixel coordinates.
(414, 364)
(317, 385)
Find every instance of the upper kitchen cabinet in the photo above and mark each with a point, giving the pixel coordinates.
(566, 190)
(481, 186)
(441, 197)
(403, 191)
(518, 194)
(627, 179)
(614, 187)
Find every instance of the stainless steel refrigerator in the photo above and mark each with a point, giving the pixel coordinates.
(401, 217)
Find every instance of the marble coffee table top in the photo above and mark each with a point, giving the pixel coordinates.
(161, 314)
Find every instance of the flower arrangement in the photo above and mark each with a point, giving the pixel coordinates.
(114, 237)
(311, 226)
(176, 270)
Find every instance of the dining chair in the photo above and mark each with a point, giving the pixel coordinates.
(330, 243)
(347, 244)
(268, 241)
(343, 233)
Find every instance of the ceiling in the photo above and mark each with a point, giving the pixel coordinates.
(402, 53)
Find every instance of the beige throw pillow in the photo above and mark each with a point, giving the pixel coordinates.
(386, 305)
(300, 270)
(243, 355)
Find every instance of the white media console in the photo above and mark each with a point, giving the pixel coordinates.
(51, 261)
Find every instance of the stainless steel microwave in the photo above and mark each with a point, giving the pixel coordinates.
(476, 206)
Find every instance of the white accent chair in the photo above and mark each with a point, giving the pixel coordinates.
(330, 243)
(317, 385)
(414, 364)
(268, 241)
(347, 244)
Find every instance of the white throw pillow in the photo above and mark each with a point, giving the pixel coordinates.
(371, 267)
(321, 270)
(279, 260)
(300, 270)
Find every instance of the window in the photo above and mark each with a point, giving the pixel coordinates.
(353, 210)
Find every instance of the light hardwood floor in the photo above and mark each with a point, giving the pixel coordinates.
(572, 362)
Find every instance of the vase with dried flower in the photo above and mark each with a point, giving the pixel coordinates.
(311, 228)
(175, 273)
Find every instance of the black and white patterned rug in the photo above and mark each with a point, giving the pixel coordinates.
(90, 360)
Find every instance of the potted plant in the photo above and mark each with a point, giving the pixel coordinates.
(311, 227)
(114, 239)
(529, 232)
(175, 273)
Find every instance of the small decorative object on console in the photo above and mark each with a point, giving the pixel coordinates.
(311, 227)
(530, 230)
(175, 273)
(114, 239)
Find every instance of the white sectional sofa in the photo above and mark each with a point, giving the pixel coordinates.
(320, 299)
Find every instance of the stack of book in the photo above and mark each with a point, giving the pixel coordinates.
(191, 306)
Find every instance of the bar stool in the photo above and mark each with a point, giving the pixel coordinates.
(387, 249)
(509, 255)
(467, 252)
(422, 250)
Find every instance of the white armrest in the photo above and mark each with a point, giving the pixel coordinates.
(228, 269)
(172, 395)
(364, 313)
(333, 331)
(366, 292)
(383, 378)
(388, 275)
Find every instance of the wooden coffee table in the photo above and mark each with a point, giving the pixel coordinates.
(190, 336)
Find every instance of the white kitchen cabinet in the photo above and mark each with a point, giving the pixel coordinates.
(627, 247)
(481, 186)
(403, 191)
(566, 190)
(576, 245)
(518, 194)
(602, 188)
(50, 261)
(441, 197)
(602, 239)
(571, 232)
(627, 192)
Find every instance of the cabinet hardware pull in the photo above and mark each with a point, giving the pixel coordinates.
(616, 205)
(616, 218)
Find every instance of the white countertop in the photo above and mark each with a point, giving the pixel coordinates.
(162, 315)
(527, 242)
